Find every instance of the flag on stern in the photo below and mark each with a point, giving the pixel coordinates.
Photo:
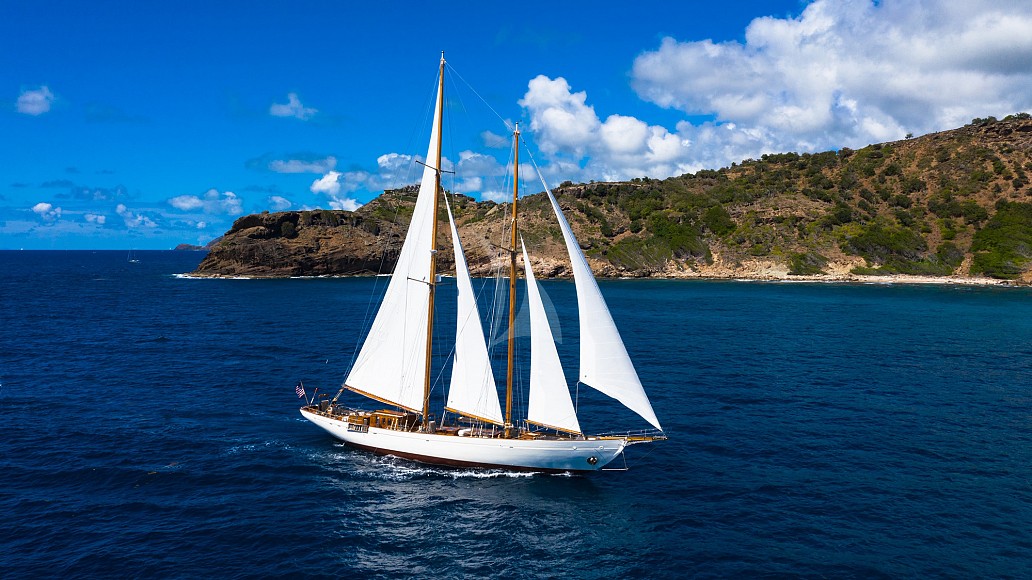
(300, 390)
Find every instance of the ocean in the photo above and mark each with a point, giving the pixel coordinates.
(149, 428)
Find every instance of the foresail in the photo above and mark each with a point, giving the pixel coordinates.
(473, 391)
(548, 403)
(604, 363)
(391, 365)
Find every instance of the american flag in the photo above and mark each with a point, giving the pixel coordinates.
(300, 389)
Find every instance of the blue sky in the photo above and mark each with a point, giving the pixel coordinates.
(149, 124)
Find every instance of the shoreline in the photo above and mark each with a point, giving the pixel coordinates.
(863, 279)
(888, 279)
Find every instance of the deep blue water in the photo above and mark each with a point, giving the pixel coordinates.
(148, 427)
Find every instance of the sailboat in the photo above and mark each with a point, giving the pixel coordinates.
(393, 366)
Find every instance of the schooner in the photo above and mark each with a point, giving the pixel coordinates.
(393, 365)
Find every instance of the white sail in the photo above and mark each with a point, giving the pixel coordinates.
(604, 363)
(392, 363)
(473, 392)
(548, 403)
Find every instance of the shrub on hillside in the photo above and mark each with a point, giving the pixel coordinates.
(1003, 247)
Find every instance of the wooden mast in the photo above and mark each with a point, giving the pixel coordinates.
(432, 281)
(512, 281)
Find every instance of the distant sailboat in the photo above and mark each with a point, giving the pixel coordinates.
(131, 258)
(394, 366)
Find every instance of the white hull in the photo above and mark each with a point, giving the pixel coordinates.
(589, 454)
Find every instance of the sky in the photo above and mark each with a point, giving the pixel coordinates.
(145, 125)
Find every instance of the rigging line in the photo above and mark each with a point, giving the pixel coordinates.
(507, 124)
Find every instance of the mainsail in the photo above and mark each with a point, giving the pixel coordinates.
(604, 363)
(548, 403)
(473, 392)
(391, 365)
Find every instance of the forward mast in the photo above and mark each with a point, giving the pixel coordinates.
(432, 279)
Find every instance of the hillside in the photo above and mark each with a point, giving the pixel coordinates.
(956, 203)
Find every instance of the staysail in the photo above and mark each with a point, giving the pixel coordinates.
(548, 403)
(391, 365)
(473, 392)
(604, 362)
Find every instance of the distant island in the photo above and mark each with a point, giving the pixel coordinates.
(953, 206)
(195, 248)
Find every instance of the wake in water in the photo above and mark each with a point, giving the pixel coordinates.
(391, 468)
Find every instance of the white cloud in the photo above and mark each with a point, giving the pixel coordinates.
(202, 225)
(328, 184)
(186, 202)
(393, 170)
(840, 74)
(344, 203)
(303, 165)
(845, 74)
(35, 102)
(279, 203)
(133, 219)
(47, 211)
(95, 218)
(580, 146)
(292, 108)
(560, 119)
(212, 202)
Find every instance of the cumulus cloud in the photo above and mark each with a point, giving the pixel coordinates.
(392, 170)
(46, 211)
(840, 74)
(292, 108)
(845, 74)
(579, 144)
(36, 101)
(328, 184)
(212, 202)
(335, 185)
(133, 219)
(344, 203)
(560, 118)
(279, 203)
(94, 218)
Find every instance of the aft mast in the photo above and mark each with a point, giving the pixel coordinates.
(512, 281)
(432, 280)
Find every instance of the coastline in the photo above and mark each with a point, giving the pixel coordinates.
(889, 279)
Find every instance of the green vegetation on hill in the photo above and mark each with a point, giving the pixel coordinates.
(1003, 248)
(916, 206)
